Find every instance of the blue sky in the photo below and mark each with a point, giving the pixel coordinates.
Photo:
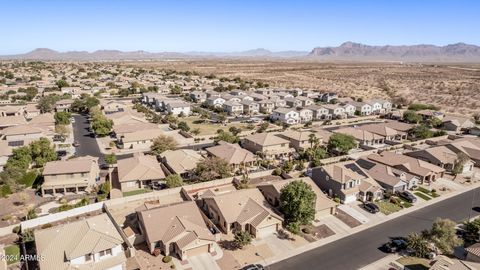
(189, 25)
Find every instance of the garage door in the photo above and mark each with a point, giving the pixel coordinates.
(197, 251)
(266, 231)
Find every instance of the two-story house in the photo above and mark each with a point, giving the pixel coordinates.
(233, 107)
(347, 181)
(250, 107)
(267, 145)
(286, 115)
(70, 176)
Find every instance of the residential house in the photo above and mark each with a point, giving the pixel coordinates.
(76, 175)
(428, 114)
(140, 139)
(237, 157)
(469, 147)
(63, 105)
(443, 157)
(301, 140)
(120, 130)
(363, 137)
(388, 133)
(362, 108)
(233, 107)
(279, 103)
(11, 110)
(24, 134)
(319, 112)
(10, 121)
(443, 262)
(264, 91)
(335, 110)
(250, 107)
(198, 96)
(347, 181)
(305, 101)
(138, 172)
(323, 205)
(177, 107)
(399, 126)
(89, 243)
(266, 106)
(306, 115)
(328, 97)
(182, 161)
(377, 106)
(457, 124)
(425, 171)
(242, 210)
(215, 101)
(177, 230)
(391, 179)
(284, 96)
(349, 109)
(31, 110)
(293, 102)
(267, 145)
(286, 115)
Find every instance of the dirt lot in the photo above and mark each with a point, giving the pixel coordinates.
(453, 87)
(347, 219)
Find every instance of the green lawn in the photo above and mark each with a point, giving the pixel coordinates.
(12, 254)
(428, 192)
(415, 263)
(208, 128)
(387, 207)
(136, 192)
(422, 195)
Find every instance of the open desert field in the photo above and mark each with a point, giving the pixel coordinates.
(455, 87)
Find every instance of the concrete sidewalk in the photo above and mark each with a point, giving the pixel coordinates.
(382, 264)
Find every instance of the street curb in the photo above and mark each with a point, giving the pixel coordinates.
(328, 240)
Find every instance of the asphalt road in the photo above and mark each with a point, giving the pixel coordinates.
(361, 249)
(88, 145)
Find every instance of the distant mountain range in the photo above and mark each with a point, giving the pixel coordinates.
(459, 52)
(358, 51)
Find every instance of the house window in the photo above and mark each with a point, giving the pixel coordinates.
(88, 257)
(105, 252)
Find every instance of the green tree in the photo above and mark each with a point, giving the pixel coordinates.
(227, 137)
(31, 214)
(235, 131)
(422, 132)
(412, 117)
(443, 235)
(472, 231)
(297, 202)
(213, 168)
(47, 103)
(183, 126)
(111, 159)
(42, 152)
(460, 161)
(242, 239)
(419, 244)
(161, 144)
(101, 125)
(62, 83)
(62, 118)
(341, 142)
(174, 180)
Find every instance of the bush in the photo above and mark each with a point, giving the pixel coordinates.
(16, 229)
(5, 190)
(293, 227)
(277, 171)
(46, 226)
(167, 259)
(336, 199)
(28, 178)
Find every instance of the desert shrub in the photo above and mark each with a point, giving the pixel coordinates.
(167, 259)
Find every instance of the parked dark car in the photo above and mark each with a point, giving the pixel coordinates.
(395, 245)
(253, 267)
(407, 196)
(371, 207)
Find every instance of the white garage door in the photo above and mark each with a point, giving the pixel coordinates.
(266, 231)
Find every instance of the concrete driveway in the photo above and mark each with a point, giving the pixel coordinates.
(203, 262)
